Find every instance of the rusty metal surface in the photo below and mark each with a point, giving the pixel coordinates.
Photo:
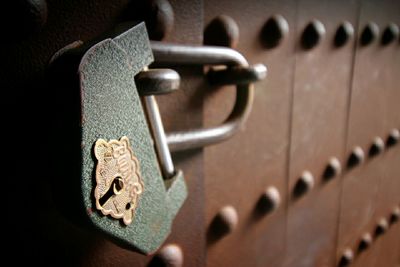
(320, 103)
(50, 239)
(237, 181)
(388, 197)
(183, 110)
(371, 88)
(240, 170)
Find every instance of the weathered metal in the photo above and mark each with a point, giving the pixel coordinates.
(365, 242)
(270, 200)
(321, 90)
(237, 172)
(160, 140)
(393, 137)
(170, 255)
(390, 34)
(356, 157)
(369, 34)
(333, 169)
(222, 31)
(274, 31)
(208, 55)
(377, 147)
(313, 33)
(344, 33)
(157, 81)
(23, 19)
(347, 258)
(367, 191)
(237, 75)
(304, 184)
(110, 110)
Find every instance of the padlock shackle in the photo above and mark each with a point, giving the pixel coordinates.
(173, 54)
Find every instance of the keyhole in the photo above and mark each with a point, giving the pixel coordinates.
(115, 188)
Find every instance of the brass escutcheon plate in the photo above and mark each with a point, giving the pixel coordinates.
(118, 179)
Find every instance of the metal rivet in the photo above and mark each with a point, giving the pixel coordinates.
(29, 17)
(347, 258)
(381, 227)
(393, 138)
(313, 34)
(274, 31)
(304, 184)
(161, 20)
(343, 34)
(395, 216)
(377, 147)
(228, 219)
(333, 169)
(365, 242)
(356, 157)
(369, 34)
(270, 200)
(222, 31)
(390, 34)
(224, 223)
(170, 255)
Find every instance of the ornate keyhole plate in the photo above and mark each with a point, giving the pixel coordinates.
(118, 179)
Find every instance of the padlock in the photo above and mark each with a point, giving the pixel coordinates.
(116, 185)
(110, 176)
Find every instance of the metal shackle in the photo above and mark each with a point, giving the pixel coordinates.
(237, 72)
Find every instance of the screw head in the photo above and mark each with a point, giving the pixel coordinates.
(381, 227)
(356, 157)
(347, 257)
(343, 34)
(393, 138)
(377, 147)
(313, 34)
(304, 184)
(222, 31)
(270, 200)
(390, 34)
(365, 242)
(274, 31)
(369, 34)
(333, 169)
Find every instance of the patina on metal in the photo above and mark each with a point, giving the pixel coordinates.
(112, 122)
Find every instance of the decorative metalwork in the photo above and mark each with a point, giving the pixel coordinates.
(118, 179)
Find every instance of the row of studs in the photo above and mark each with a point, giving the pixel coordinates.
(366, 240)
(273, 33)
(227, 219)
(306, 181)
(224, 31)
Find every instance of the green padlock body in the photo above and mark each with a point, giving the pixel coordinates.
(110, 108)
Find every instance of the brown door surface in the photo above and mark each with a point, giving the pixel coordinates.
(312, 179)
